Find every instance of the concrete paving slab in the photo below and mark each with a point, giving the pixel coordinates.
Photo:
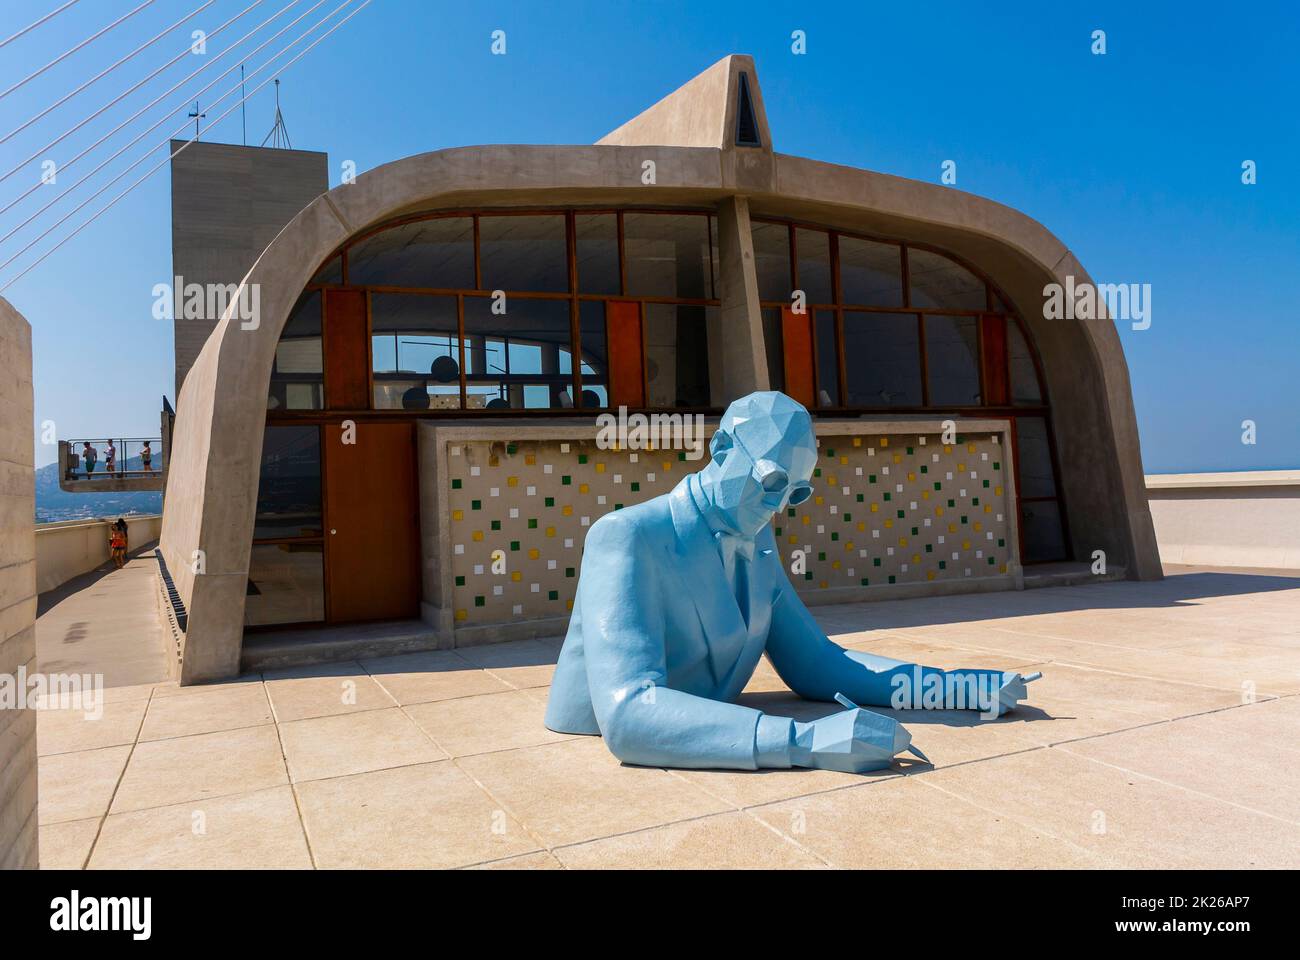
(337, 746)
(428, 815)
(728, 841)
(247, 831)
(576, 790)
(481, 724)
(427, 677)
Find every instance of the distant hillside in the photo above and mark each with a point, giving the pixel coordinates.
(55, 504)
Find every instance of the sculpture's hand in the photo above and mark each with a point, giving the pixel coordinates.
(852, 741)
(1013, 690)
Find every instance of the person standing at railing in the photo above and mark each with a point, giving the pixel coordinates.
(146, 457)
(110, 457)
(89, 455)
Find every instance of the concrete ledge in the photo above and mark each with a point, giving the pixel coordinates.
(1221, 481)
(1249, 519)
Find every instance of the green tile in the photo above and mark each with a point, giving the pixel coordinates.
(570, 572)
(550, 501)
(636, 487)
(455, 483)
(476, 504)
(496, 524)
(532, 523)
(514, 545)
(553, 595)
(566, 480)
(460, 581)
(480, 601)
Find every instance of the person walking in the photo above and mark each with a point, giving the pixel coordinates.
(110, 457)
(88, 456)
(146, 458)
(117, 543)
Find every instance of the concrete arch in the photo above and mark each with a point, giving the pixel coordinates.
(221, 413)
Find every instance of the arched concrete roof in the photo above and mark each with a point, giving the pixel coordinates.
(214, 462)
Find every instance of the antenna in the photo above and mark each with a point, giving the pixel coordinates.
(197, 117)
(279, 135)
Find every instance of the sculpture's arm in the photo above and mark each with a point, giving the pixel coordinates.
(643, 720)
(816, 668)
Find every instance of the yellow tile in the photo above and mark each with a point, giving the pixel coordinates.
(478, 536)
(929, 574)
(970, 448)
(806, 519)
(961, 466)
(884, 441)
(857, 441)
(862, 527)
(916, 558)
(875, 508)
(938, 511)
(530, 460)
(533, 554)
(947, 448)
(583, 488)
(550, 531)
(889, 524)
(844, 461)
(902, 541)
(988, 508)
(977, 526)
(952, 528)
(911, 478)
(818, 500)
(461, 614)
(898, 458)
(567, 511)
(835, 564)
(516, 576)
(997, 491)
(600, 468)
(512, 481)
(458, 515)
(925, 494)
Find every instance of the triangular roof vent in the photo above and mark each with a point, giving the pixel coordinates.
(746, 121)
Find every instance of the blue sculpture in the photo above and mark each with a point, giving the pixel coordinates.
(680, 596)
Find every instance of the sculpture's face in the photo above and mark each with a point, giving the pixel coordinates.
(763, 454)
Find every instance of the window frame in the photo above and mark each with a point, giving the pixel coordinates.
(573, 296)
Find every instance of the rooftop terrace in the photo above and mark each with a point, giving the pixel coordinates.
(1162, 734)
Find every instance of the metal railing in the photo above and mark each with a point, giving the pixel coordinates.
(122, 458)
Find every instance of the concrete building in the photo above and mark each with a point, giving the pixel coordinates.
(403, 452)
(228, 203)
(18, 820)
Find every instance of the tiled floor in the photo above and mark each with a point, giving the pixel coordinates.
(1163, 733)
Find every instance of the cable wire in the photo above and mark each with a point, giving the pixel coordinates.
(73, 129)
(163, 119)
(63, 56)
(31, 266)
(105, 72)
(32, 26)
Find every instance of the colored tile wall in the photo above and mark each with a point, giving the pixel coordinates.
(887, 509)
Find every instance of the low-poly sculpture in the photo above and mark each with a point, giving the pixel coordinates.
(679, 597)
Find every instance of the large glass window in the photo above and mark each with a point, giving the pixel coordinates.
(415, 351)
(828, 360)
(677, 354)
(1023, 375)
(435, 253)
(1035, 455)
(524, 253)
(952, 357)
(286, 584)
(596, 239)
(668, 255)
(595, 355)
(871, 274)
(814, 265)
(882, 359)
(943, 284)
(772, 261)
(288, 489)
(518, 358)
(297, 374)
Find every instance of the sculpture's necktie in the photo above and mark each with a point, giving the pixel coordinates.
(737, 555)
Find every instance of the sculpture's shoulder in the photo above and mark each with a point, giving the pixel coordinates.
(644, 525)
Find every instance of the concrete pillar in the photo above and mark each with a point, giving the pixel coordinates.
(17, 590)
(740, 354)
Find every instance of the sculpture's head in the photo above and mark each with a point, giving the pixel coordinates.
(763, 457)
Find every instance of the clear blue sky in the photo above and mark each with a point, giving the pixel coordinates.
(1133, 158)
